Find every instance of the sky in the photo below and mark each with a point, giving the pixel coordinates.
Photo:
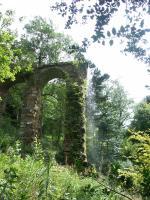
(130, 73)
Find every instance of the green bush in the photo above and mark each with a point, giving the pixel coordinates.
(37, 177)
(136, 177)
(7, 139)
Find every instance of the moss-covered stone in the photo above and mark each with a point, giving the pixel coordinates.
(74, 142)
(30, 126)
(74, 152)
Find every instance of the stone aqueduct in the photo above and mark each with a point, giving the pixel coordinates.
(30, 126)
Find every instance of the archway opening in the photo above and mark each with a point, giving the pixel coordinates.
(53, 117)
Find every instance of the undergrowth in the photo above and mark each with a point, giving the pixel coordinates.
(38, 177)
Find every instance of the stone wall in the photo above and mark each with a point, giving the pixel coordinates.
(74, 140)
(30, 126)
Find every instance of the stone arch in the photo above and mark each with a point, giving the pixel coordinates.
(30, 127)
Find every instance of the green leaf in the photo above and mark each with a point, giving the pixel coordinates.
(142, 23)
(122, 29)
(108, 33)
(114, 31)
(111, 42)
(103, 43)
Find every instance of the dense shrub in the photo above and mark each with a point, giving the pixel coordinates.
(136, 176)
(39, 177)
(7, 139)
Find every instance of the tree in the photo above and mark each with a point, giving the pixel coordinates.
(136, 175)
(9, 54)
(53, 113)
(111, 114)
(99, 83)
(99, 11)
(134, 171)
(141, 120)
(134, 34)
(42, 45)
